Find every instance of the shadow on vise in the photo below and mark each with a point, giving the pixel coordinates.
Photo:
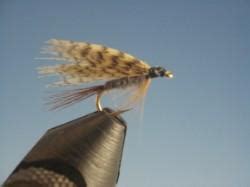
(85, 152)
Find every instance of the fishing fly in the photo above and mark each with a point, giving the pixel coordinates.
(87, 63)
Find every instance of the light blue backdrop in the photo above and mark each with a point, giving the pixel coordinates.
(196, 127)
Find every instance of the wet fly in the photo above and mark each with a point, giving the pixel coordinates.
(85, 62)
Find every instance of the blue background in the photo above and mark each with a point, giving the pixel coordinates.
(196, 127)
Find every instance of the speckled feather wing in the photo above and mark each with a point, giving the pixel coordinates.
(87, 62)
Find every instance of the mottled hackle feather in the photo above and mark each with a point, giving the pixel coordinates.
(90, 62)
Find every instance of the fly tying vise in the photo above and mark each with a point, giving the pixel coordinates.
(87, 62)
